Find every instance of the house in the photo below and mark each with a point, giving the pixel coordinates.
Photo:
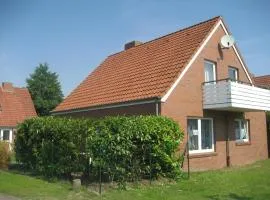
(188, 76)
(15, 106)
(262, 81)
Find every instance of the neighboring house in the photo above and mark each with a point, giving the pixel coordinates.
(262, 81)
(187, 76)
(15, 106)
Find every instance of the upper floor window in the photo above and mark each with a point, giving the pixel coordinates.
(209, 72)
(200, 133)
(241, 130)
(233, 73)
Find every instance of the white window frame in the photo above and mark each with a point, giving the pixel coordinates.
(2, 134)
(214, 71)
(247, 126)
(236, 70)
(200, 150)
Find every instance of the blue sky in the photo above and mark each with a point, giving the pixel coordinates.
(74, 36)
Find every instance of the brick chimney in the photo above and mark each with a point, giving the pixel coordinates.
(7, 87)
(132, 44)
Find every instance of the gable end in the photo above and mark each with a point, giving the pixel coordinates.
(219, 23)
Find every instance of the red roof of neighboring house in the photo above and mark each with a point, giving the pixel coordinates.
(15, 105)
(262, 81)
(142, 72)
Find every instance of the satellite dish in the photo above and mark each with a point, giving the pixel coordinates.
(227, 41)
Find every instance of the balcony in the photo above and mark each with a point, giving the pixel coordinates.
(235, 96)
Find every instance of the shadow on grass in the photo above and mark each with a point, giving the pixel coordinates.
(231, 196)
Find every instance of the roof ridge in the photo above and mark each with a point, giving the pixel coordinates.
(160, 37)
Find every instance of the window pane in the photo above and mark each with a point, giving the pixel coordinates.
(237, 130)
(193, 133)
(206, 126)
(243, 133)
(209, 72)
(232, 74)
(241, 130)
(6, 135)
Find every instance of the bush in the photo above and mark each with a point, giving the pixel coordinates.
(135, 147)
(4, 155)
(52, 146)
(127, 148)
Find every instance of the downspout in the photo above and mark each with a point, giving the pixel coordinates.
(187, 146)
(228, 158)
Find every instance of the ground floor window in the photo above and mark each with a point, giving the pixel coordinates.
(241, 130)
(5, 135)
(200, 133)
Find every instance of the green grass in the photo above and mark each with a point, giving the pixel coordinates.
(245, 183)
(27, 187)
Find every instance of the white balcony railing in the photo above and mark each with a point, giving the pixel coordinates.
(229, 95)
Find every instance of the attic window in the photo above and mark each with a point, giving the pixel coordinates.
(233, 74)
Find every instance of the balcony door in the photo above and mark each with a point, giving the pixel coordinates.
(209, 72)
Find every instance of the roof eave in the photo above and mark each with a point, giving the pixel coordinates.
(108, 106)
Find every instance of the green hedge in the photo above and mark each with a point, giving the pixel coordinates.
(126, 148)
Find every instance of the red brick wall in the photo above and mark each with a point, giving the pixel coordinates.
(257, 149)
(186, 101)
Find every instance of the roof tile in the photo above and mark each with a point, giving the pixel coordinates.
(16, 106)
(144, 71)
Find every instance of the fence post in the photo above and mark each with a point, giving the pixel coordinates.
(100, 170)
(188, 160)
(150, 154)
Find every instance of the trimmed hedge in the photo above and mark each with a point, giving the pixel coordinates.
(126, 148)
(52, 146)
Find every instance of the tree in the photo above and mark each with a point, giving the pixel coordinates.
(45, 89)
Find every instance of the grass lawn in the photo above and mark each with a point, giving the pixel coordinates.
(245, 183)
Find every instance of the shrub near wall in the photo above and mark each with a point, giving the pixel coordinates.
(132, 147)
(4, 155)
(127, 148)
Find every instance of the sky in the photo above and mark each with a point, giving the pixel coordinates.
(75, 36)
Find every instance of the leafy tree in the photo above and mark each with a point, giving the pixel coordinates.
(45, 89)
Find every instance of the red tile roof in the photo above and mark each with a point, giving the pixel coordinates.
(142, 72)
(262, 81)
(15, 105)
